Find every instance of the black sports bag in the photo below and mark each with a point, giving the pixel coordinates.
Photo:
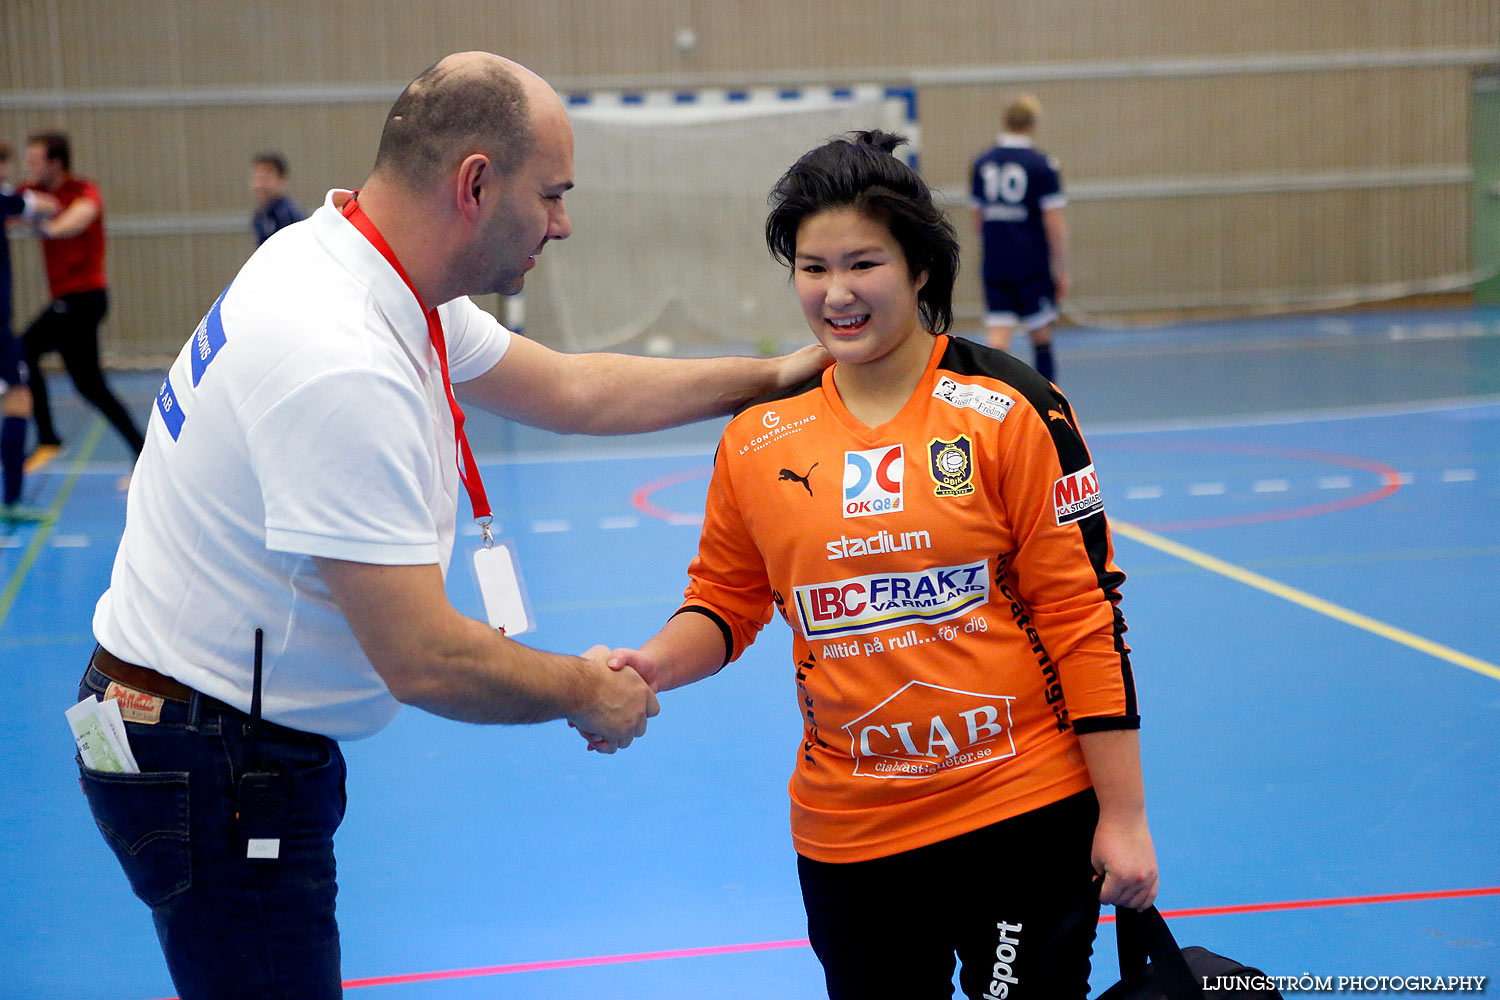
(1175, 973)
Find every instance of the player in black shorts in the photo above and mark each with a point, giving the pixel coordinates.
(1018, 202)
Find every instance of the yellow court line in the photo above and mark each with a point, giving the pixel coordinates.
(13, 588)
(1305, 599)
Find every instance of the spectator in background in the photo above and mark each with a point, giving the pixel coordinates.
(274, 209)
(73, 250)
(1018, 202)
(15, 398)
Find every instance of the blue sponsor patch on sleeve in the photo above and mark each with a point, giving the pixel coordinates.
(207, 340)
(169, 408)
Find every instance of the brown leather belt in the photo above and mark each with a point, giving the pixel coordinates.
(140, 678)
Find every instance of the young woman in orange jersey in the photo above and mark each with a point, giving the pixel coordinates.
(926, 518)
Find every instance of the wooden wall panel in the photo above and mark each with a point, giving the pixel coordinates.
(83, 44)
(180, 162)
(1258, 248)
(327, 146)
(1224, 126)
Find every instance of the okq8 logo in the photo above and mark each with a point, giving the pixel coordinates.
(872, 481)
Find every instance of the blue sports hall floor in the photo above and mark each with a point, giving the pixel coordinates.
(1308, 510)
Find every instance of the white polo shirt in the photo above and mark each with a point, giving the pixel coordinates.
(305, 417)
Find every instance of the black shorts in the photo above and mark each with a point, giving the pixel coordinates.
(1015, 901)
(1026, 303)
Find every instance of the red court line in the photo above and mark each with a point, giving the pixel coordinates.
(578, 963)
(1390, 482)
(641, 498)
(741, 949)
(1311, 904)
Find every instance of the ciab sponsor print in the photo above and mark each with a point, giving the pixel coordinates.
(925, 729)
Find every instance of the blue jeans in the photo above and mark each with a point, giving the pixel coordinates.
(229, 927)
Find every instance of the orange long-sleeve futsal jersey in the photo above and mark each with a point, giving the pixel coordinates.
(950, 584)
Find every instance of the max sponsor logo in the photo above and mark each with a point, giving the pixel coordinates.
(1076, 496)
(872, 481)
(924, 729)
(885, 600)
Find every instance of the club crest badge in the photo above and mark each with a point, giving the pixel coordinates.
(951, 466)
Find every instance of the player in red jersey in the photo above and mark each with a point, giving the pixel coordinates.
(73, 250)
(926, 518)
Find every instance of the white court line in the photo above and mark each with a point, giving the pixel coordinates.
(1143, 493)
(1459, 475)
(1306, 600)
(616, 523)
(1207, 489)
(1335, 482)
(1270, 486)
(70, 541)
(550, 527)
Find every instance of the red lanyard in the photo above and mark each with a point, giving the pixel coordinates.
(470, 478)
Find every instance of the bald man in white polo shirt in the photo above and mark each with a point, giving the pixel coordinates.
(301, 478)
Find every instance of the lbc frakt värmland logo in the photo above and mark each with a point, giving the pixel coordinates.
(872, 481)
(924, 729)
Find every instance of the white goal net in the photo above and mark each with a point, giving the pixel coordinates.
(668, 252)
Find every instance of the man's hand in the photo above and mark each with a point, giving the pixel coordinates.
(688, 648)
(801, 365)
(624, 703)
(620, 659)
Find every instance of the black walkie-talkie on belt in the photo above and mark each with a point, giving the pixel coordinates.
(262, 800)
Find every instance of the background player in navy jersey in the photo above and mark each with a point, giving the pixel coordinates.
(1018, 202)
(274, 208)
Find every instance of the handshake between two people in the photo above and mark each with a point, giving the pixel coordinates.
(627, 698)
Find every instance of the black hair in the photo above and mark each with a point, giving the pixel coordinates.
(445, 114)
(275, 161)
(860, 170)
(56, 146)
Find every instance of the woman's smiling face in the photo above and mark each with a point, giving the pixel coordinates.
(858, 294)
